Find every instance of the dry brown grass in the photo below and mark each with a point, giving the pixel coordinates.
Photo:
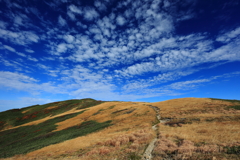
(206, 126)
(212, 133)
(214, 123)
(131, 127)
(44, 119)
(193, 106)
(52, 107)
(118, 147)
(205, 129)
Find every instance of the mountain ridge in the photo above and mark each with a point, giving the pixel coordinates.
(121, 130)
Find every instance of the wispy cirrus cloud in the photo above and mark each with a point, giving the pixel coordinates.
(124, 49)
(9, 48)
(19, 38)
(29, 50)
(226, 37)
(23, 82)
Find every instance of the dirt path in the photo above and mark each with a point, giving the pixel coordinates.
(148, 152)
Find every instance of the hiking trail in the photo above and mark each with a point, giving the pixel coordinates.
(148, 152)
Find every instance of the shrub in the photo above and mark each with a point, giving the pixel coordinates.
(133, 156)
(111, 107)
(175, 123)
(232, 150)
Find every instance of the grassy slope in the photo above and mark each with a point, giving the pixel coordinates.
(128, 135)
(196, 123)
(16, 117)
(236, 103)
(28, 138)
(199, 128)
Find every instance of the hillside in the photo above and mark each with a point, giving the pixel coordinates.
(187, 128)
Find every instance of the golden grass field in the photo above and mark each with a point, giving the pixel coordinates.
(133, 127)
(199, 128)
(210, 126)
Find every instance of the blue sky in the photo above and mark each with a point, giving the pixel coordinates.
(141, 50)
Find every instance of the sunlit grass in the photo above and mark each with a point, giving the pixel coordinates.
(17, 117)
(197, 128)
(29, 138)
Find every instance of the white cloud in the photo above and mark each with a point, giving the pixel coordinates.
(29, 50)
(21, 54)
(128, 13)
(61, 21)
(100, 5)
(61, 48)
(172, 54)
(145, 45)
(3, 25)
(20, 38)
(194, 84)
(9, 48)
(106, 23)
(186, 17)
(10, 76)
(94, 30)
(25, 83)
(140, 84)
(75, 9)
(229, 35)
(43, 66)
(31, 36)
(32, 59)
(138, 69)
(120, 20)
(166, 3)
(81, 25)
(187, 85)
(18, 20)
(71, 15)
(90, 13)
(69, 38)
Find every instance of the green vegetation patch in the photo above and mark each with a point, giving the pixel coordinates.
(17, 117)
(118, 111)
(111, 107)
(30, 138)
(134, 156)
(223, 118)
(9, 117)
(237, 102)
(233, 150)
(227, 100)
(237, 107)
(99, 111)
(124, 111)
